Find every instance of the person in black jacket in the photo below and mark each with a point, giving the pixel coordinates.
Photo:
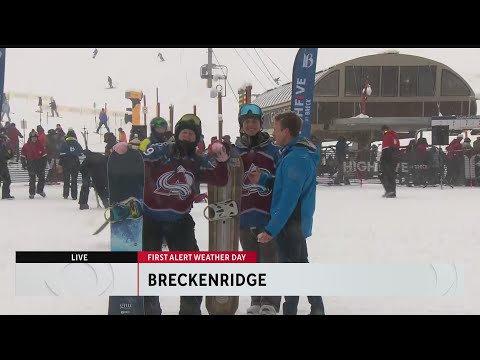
(94, 172)
(110, 140)
(69, 153)
(341, 150)
(53, 107)
(52, 148)
(6, 153)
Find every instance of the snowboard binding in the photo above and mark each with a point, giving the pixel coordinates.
(128, 209)
(221, 210)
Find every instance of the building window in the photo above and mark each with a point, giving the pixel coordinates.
(408, 80)
(347, 110)
(390, 81)
(355, 77)
(327, 111)
(426, 80)
(449, 108)
(328, 86)
(353, 80)
(373, 75)
(452, 85)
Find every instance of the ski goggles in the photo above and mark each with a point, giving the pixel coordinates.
(250, 110)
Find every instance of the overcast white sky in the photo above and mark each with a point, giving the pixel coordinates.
(75, 79)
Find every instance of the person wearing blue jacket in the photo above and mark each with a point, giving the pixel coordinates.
(103, 120)
(257, 151)
(293, 202)
(69, 160)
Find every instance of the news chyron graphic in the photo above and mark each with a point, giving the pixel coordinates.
(222, 274)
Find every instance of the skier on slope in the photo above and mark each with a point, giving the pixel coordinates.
(170, 172)
(103, 120)
(257, 151)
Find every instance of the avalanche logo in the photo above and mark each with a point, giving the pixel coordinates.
(249, 188)
(176, 182)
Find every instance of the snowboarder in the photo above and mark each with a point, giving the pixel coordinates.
(256, 150)
(95, 52)
(160, 56)
(170, 172)
(109, 79)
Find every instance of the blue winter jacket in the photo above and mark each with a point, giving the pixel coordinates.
(295, 185)
(103, 117)
(71, 148)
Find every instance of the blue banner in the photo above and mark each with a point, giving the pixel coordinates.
(2, 75)
(303, 83)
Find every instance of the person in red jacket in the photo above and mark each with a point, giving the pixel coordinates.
(13, 134)
(389, 161)
(41, 135)
(454, 160)
(34, 159)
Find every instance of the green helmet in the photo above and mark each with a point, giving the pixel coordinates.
(158, 122)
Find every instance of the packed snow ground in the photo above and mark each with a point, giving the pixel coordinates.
(352, 225)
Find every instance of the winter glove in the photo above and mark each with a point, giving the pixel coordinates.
(220, 152)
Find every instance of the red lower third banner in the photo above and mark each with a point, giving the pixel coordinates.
(197, 257)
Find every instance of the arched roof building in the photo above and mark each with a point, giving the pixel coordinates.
(406, 92)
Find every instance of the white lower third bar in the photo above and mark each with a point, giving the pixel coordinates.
(201, 279)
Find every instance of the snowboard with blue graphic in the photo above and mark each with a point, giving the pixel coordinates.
(125, 187)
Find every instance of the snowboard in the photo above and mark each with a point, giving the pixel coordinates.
(125, 187)
(224, 226)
